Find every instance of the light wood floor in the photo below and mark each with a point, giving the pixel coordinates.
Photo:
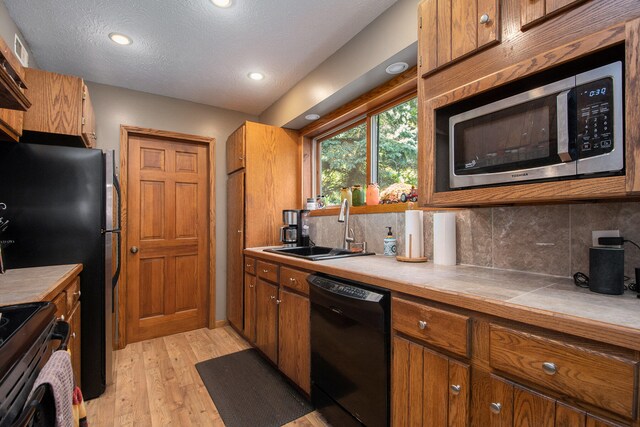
(156, 383)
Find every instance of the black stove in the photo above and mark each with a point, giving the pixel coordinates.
(26, 335)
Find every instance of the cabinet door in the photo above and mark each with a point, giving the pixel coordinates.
(11, 124)
(406, 383)
(427, 36)
(235, 245)
(501, 406)
(459, 382)
(488, 19)
(88, 120)
(235, 150)
(464, 27)
(267, 319)
(250, 307)
(75, 343)
(531, 409)
(531, 10)
(294, 355)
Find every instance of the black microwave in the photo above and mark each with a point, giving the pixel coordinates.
(570, 127)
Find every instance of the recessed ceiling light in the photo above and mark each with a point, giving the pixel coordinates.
(120, 39)
(397, 68)
(221, 3)
(312, 116)
(255, 75)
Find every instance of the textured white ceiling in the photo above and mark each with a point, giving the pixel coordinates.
(189, 49)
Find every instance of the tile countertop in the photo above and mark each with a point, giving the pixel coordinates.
(35, 283)
(547, 301)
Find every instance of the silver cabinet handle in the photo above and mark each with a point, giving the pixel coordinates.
(484, 19)
(241, 158)
(62, 317)
(78, 293)
(495, 408)
(248, 265)
(292, 279)
(455, 389)
(73, 335)
(422, 324)
(272, 297)
(265, 271)
(134, 249)
(278, 301)
(239, 231)
(549, 368)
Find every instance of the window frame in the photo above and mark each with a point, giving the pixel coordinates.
(372, 147)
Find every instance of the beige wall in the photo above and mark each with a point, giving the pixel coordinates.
(8, 29)
(390, 33)
(115, 106)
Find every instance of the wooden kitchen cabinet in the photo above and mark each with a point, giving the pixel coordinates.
(75, 341)
(453, 29)
(513, 405)
(428, 388)
(250, 307)
(13, 101)
(534, 11)
(294, 351)
(267, 319)
(235, 245)
(487, 373)
(265, 166)
(61, 113)
(235, 150)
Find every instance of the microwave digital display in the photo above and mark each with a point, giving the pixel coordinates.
(595, 118)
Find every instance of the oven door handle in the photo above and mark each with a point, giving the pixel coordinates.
(562, 110)
(61, 331)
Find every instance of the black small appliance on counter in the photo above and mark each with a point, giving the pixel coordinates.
(295, 232)
(606, 270)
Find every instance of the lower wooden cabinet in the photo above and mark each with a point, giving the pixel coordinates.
(513, 405)
(75, 341)
(267, 318)
(294, 354)
(428, 388)
(250, 307)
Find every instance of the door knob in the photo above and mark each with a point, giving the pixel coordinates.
(134, 249)
(495, 407)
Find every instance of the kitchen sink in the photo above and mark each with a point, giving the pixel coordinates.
(316, 253)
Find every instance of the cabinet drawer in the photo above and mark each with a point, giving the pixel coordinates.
(594, 377)
(267, 271)
(294, 279)
(250, 265)
(61, 306)
(449, 331)
(73, 293)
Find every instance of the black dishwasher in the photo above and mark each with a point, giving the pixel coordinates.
(350, 351)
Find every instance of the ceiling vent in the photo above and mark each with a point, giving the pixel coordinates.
(21, 51)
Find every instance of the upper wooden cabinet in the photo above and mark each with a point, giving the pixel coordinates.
(235, 150)
(534, 11)
(12, 81)
(62, 112)
(450, 30)
(11, 124)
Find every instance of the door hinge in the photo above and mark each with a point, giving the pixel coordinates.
(420, 22)
(84, 121)
(420, 61)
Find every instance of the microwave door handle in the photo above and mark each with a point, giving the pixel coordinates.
(562, 108)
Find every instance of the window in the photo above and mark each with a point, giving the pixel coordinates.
(347, 156)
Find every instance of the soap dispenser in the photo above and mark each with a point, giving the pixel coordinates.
(390, 248)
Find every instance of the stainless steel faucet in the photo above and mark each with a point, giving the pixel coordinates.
(344, 217)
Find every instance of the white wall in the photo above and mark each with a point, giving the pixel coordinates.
(115, 106)
(8, 30)
(393, 31)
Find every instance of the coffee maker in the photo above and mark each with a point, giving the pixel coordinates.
(295, 232)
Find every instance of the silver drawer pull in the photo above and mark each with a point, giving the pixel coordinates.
(484, 19)
(248, 265)
(292, 279)
(495, 408)
(422, 324)
(265, 271)
(549, 368)
(455, 389)
(278, 301)
(73, 335)
(77, 293)
(62, 317)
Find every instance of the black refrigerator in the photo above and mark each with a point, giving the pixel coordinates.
(59, 202)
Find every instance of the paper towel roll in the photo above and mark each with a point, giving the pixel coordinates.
(413, 234)
(444, 238)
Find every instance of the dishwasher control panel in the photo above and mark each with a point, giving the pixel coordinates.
(344, 289)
